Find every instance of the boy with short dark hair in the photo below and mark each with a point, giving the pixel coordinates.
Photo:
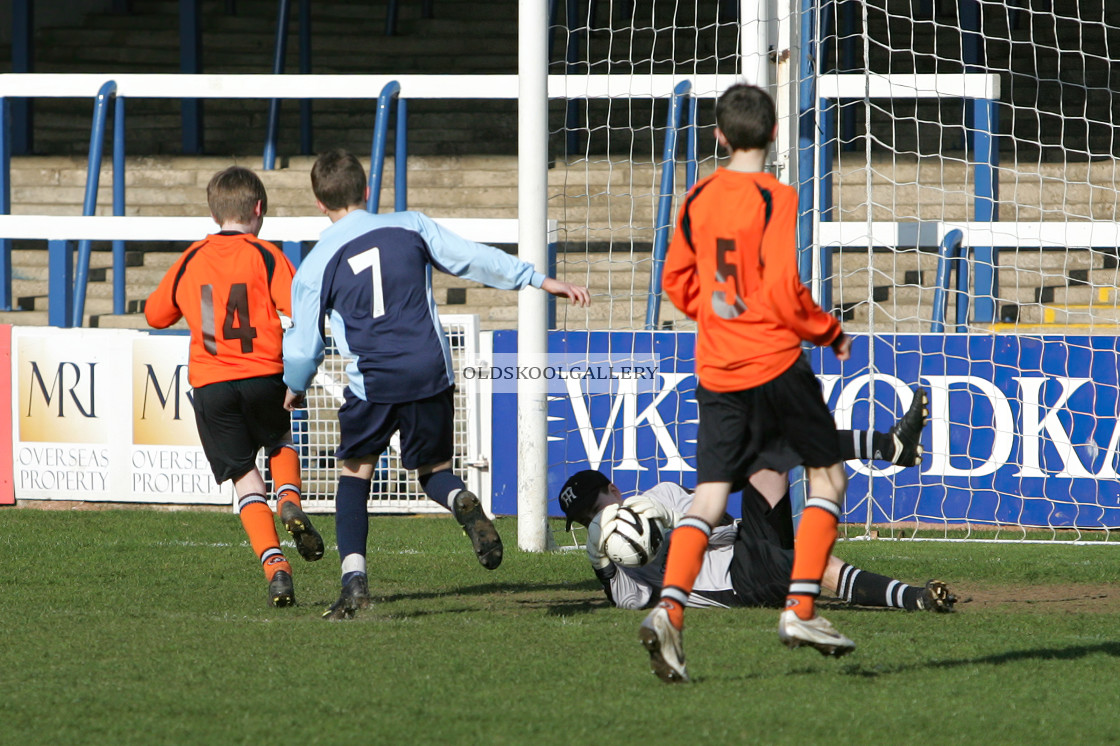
(232, 288)
(370, 277)
(732, 266)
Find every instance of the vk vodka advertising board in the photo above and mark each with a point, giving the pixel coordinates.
(1022, 429)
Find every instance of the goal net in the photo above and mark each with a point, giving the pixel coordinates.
(964, 215)
(620, 163)
(956, 163)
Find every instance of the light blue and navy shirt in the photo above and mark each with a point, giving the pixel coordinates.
(371, 276)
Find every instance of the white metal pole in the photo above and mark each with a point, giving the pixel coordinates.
(754, 40)
(785, 94)
(532, 307)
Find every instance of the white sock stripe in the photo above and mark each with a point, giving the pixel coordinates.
(899, 602)
(855, 444)
(289, 488)
(823, 504)
(353, 563)
(269, 553)
(870, 449)
(848, 582)
(253, 497)
(891, 595)
(691, 520)
(805, 588)
(672, 593)
(700, 597)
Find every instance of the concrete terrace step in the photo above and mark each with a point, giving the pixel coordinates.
(346, 38)
(1070, 314)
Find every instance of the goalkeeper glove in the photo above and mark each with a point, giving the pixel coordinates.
(651, 509)
(596, 553)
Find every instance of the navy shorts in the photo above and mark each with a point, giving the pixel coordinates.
(427, 428)
(237, 418)
(739, 430)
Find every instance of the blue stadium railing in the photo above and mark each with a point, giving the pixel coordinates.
(664, 220)
(19, 110)
(69, 285)
(951, 255)
(295, 87)
(390, 94)
(107, 93)
(278, 57)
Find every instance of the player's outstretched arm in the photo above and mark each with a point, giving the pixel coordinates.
(842, 346)
(576, 293)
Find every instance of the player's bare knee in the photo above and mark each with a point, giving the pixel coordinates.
(828, 482)
(839, 479)
(358, 466)
(432, 468)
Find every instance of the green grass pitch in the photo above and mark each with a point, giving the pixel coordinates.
(147, 627)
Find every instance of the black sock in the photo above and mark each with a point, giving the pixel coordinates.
(865, 445)
(868, 589)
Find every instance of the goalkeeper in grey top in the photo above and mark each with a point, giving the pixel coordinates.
(748, 562)
(370, 278)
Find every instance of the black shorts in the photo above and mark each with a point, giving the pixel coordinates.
(427, 428)
(237, 418)
(738, 428)
(761, 565)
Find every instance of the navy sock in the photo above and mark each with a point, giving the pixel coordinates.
(350, 519)
(440, 484)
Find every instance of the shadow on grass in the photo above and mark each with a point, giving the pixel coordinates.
(514, 593)
(1012, 656)
(512, 596)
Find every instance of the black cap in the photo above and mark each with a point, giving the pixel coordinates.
(580, 492)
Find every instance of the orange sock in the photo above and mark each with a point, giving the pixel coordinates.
(260, 526)
(687, 545)
(811, 549)
(284, 465)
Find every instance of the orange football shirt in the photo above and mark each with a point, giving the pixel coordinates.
(230, 288)
(732, 266)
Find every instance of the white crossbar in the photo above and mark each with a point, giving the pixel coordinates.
(927, 85)
(142, 228)
(1081, 234)
(154, 85)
